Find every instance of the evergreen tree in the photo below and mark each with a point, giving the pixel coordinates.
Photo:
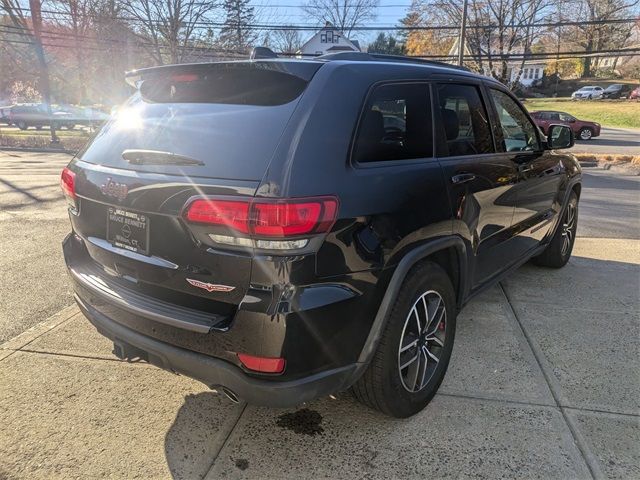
(236, 34)
(386, 44)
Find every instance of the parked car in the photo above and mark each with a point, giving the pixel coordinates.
(588, 93)
(635, 94)
(582, 129)
(254, 225)
(617, 90)
(4, 115)
(36, 115)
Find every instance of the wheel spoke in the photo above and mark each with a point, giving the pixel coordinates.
(408, 346)
(431, 355)
(424, 365)
(405, 365)
(414, 374)
(414, 311)
(436, 340)
(437, 318)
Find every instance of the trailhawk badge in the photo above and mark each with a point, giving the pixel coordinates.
(210, 287)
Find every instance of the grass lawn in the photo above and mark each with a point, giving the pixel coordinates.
(609, 113)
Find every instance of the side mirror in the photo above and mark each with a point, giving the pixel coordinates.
(573, 120)
(560, 136)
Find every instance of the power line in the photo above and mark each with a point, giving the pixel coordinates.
(308, 27)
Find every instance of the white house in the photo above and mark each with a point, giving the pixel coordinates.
(328, 40)
(530, 71)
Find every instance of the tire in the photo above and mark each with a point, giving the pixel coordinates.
(386, 386)
(585, 133)
(22, 125)
(558, 252)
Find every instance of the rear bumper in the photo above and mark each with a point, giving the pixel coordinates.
(219, 373)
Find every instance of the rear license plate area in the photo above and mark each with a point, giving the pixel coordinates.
(128, 230)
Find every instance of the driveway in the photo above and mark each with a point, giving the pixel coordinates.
(33, 222)
(544, 383)
(619, 141)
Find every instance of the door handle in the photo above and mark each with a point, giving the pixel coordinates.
(462, 178)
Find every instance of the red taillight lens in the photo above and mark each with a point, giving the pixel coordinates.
(68, 183)
(231, 214)
(262, 364)
(266, 218)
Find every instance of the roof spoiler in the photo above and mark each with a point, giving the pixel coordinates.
(262, 52)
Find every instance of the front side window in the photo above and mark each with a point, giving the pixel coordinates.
(518, 131)
(465, 120)
(396, 124)
(565, 117)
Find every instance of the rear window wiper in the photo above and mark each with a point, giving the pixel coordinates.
(154, 157)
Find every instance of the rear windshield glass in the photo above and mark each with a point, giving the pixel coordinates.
(229, 122)
(240, 86)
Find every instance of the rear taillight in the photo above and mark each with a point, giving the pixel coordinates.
(270, 224)
(262, 364)
(68, 183)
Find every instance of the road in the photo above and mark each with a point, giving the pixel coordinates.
(619, 141)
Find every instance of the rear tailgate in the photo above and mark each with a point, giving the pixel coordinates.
(190, 131)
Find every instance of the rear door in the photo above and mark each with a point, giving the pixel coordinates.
(481, 180)
(538, 172)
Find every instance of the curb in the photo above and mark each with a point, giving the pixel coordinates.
(28, 336)
(37, 150)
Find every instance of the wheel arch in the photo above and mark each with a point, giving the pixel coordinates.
(449, 253)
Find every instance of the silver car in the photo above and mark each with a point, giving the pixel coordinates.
(588, 93)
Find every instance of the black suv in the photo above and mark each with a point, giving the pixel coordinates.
(285, 229)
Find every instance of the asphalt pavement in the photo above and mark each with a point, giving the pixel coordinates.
(33, 222)
(618, 141)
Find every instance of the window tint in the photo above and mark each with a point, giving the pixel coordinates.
(396, 124)
(518, 131)
(565, 117)
(465, 120)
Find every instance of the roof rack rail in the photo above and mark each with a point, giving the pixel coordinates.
(402, 58)
(363, 56)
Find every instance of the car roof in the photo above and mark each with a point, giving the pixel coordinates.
(297, 66)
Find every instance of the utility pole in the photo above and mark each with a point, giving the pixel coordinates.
(43, 70)
(461, 37)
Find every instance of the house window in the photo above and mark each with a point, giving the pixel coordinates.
(329, 36)
(526, 72)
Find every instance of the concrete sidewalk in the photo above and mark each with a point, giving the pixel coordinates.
(544, 383)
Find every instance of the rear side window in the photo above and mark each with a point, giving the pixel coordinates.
(464, 119)
(396, 124)
(519, 134)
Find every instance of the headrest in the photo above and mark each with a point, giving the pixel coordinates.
(451, 123)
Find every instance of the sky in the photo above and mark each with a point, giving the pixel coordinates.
(289, 11)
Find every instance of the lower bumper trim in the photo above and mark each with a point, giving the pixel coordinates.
(219, 373)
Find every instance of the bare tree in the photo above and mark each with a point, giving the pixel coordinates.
(75, 17)
(286, 40)
(507, 31)
(170, 28)
(598, 35)
(343, 14)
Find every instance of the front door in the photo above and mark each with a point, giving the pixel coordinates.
(481, 180)
(538, 173)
